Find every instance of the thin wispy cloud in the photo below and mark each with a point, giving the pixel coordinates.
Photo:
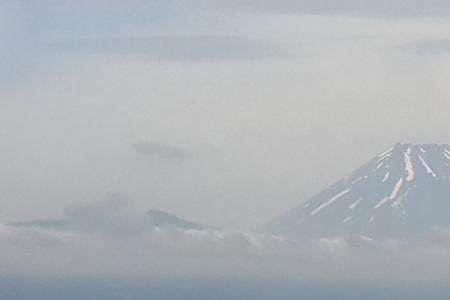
(385, 8)
(161, 151)
(431, 47)
(194, 48)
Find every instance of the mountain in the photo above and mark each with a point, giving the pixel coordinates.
(153, 219)
(163, 219)
(402, 192)
(60, 224)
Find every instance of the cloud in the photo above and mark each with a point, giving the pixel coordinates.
(34, 36)
(190, 48)
(113, 215)
(161, 151)
(112, 234)
(324, 7)
(110, 205)
(431, 47)
(109, 242)
(37, 37)
(341, 7)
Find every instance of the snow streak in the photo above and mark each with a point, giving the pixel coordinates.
(382, 202)
(353, 205)
(396, 189)
(386, 177)
(408, 165)
(346, 220)
(393, 195)
(330, 201)
(426, 166)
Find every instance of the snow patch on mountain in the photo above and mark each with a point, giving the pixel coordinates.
(408, 165)
(322, 206)
(427, 167)
(402, 191)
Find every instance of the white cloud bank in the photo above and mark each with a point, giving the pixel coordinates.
(96, 249)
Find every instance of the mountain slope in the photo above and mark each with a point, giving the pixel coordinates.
(403, 191)
(163, 219)
(153, 219)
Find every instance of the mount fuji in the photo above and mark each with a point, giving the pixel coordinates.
(402, 192)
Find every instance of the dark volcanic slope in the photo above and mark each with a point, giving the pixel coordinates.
(401, 192)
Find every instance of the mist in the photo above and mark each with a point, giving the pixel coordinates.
(226, 113)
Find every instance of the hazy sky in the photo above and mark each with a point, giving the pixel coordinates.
(224, 112)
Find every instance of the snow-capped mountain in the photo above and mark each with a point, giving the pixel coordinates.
(403, 191)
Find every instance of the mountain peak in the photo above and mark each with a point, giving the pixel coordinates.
(415, 157)
(401, 191)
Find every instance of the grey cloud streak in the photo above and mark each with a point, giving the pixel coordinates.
(431, 47)
(190, 48)
(171, 31)
(341, 7)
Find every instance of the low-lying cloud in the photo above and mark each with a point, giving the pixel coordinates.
(96, 246)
